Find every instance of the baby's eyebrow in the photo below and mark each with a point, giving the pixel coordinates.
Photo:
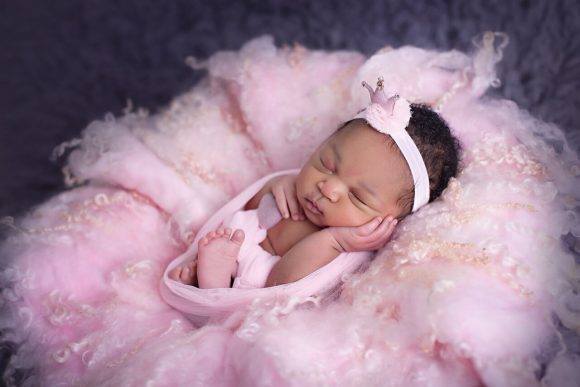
(333, 146)
(361, 183)
(365, 186)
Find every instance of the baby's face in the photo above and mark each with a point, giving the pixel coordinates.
(353, 176)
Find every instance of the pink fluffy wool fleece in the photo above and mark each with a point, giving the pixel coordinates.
(466, 293)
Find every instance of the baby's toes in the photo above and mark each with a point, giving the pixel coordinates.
(193, 268)
(238, 236)
(224, 232)
(175, 273)
(209, 237)
(203, 241)
(186, 275)
(192, 265)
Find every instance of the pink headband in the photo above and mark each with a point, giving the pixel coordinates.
(391, 116)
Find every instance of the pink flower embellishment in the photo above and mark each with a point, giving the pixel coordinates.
(386, 114)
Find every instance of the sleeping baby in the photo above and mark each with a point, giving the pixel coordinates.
(392, 158)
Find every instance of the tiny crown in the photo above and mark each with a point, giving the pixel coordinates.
(379, 97)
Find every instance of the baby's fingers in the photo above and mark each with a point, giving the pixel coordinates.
(368, 228)
(281, 202)
(293, 203)
(382, 234)
(388, 224)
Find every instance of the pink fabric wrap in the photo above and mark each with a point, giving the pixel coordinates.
(469, 291)
(268, 212)
(203, 305)
(254, 263)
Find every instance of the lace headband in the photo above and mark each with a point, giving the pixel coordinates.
(391, 115)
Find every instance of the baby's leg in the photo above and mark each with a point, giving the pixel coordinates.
(217, 258)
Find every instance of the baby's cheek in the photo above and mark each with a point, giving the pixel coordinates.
(360, 217)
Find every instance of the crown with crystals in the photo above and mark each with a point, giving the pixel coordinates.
(391, 115)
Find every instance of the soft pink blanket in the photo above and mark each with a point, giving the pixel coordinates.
(466, 293)
(214, 305)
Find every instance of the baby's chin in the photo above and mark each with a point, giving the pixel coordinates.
(320, 220)
(316, 220)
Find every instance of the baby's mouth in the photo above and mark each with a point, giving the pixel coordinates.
(312, 207)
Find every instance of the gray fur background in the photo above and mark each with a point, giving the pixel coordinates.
(66, 63)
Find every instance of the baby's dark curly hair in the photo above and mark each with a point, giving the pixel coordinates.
(440, 150)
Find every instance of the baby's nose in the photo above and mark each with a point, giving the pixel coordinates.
(329, 190)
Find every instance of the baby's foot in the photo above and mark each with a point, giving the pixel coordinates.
(186, 274)
(217, 257)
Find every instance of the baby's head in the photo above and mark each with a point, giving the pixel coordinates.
(359, 173)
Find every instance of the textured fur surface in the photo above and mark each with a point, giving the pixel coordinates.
(67, 64)
(470, 290)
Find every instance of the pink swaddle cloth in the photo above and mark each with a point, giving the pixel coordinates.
(204, 305)
(254, 263)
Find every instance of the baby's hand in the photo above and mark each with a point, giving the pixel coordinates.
(284, 191)
(370, 236)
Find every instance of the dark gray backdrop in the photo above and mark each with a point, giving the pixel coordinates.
(66, 63)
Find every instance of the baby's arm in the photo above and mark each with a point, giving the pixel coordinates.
(321, 247)
(305, 257)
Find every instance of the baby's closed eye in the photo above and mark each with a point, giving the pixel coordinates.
(354, 195)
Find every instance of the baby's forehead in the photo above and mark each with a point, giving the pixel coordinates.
(381, 159)
(370, 155)
(367, 144)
